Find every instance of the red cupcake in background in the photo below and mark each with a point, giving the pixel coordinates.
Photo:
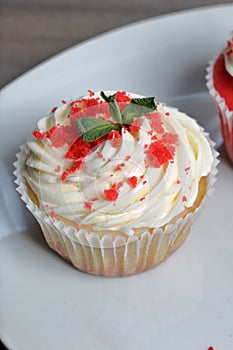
(220, 84)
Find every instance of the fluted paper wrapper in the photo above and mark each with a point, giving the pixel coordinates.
(225, 115)
(107, 256)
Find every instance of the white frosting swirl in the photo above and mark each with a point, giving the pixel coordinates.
(161, 192)
(228, 56)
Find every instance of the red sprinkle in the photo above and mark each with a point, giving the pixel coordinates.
(91, 93)
(154, 138)
(134, 128)
(167, 114)
(121, 96)
(117, 185)
(100, 155)
(88, 205)
(50, 132)
(170, 138)
(144, 182)
(184, 199)
(142, 199)
(63, 101)
(187, 169)
(111, 194)
(178, 182)
(58, 169)
(38, 135)
(54, 109)
(210, 348)
(132, 181)
(229, 52)
(127, 157)
(61, 135)
(156, 122)
(118, 167)
(75, 166)
(158, 154)
(79, 149)
(116, 138)
(64, 176)
(52, 213)
(123, 99)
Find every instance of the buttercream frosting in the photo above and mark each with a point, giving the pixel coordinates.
(161, 192)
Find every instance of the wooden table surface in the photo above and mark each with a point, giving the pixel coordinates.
(34, 30)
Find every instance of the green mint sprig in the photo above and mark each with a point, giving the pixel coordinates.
(113, 106)
(92, 129)
(137, 108)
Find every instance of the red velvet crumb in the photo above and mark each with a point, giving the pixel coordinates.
(52, 213)
(132, 181)
(38, 135)
(158, 154)
(116, 138)
(134, 128)
(91, 93)
(111, 194)
(57, 169)
(88, 205)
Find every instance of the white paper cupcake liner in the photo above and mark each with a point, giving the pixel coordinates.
(107, 256)
(225, 115)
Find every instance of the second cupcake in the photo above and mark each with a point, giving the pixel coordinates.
(220, 84)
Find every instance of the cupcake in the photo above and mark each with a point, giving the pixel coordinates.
(220, 84)
(115, 180)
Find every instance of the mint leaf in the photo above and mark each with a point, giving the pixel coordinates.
(92, 129)
(113, 106)
(137, 108)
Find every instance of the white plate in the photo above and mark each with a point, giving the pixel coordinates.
(186, 302)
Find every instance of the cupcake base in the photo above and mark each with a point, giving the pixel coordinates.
(112, 253)
(131, 258)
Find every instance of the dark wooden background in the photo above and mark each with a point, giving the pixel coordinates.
(34, 30)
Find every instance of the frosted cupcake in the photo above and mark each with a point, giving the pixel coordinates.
(220, 84)
(116, 180)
